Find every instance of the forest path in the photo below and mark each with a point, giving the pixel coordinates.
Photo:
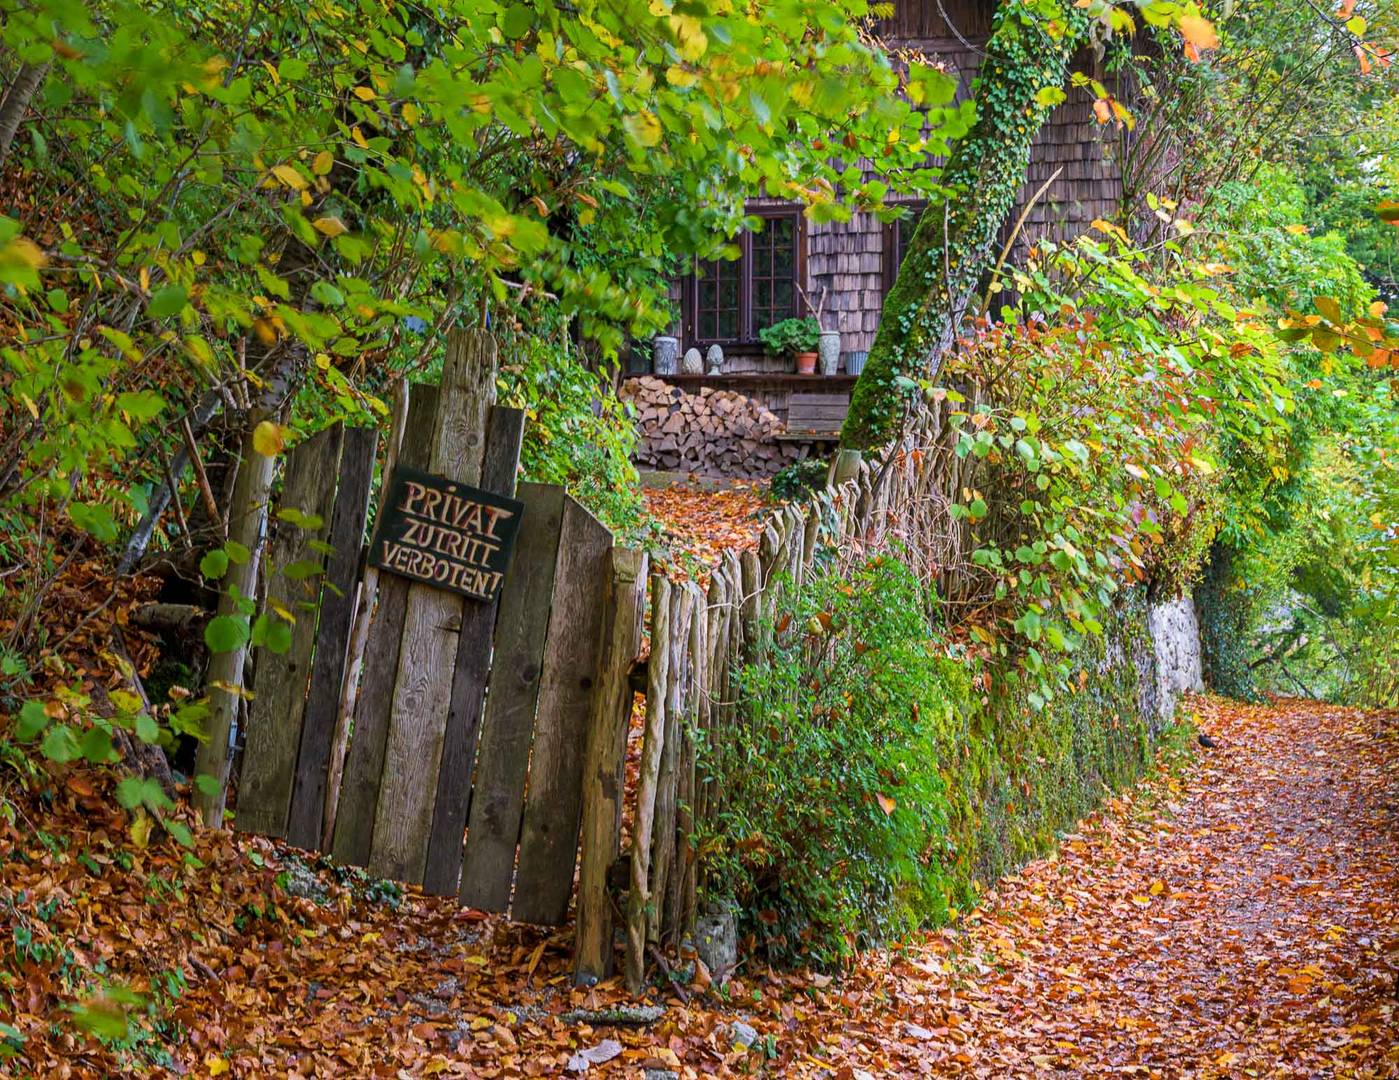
(1238, 917)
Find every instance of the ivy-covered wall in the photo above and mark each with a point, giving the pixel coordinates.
(1030, 774)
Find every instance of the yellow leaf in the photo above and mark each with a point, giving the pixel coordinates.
(323, 163)
(364, 93)
(140, 828)
(885, 803)
(269, 439)
(1157, 888)
(329, 226)
(216, 1065)
(1199, 32)
(1297, 230)
(290, 177)
(359, 138)
(410, 114)
(644, 127)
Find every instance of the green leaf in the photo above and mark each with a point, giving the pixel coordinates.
(179, 830)
(214, 564)
(95, 519)
(226, 633)
(168, 301)
(96, 746)
(147, 730)
(1050, 96)
(141, 405)
(207, 784)
(60, 744)
(32, 720)
(302, 569)
(237, 552)
(272, 632)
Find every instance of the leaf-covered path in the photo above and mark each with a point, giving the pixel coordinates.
(1238, 918)
(1235, 916)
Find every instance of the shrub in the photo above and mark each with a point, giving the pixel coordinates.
(799, 480)
(834, 820)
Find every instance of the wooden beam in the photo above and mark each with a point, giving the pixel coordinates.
(280, 683)
(553, 803)
(337, 606)
(353, 828)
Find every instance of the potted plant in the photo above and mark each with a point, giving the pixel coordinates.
(793, 337)
(828, 348)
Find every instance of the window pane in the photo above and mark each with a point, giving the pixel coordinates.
(716, 300)
(773, 272)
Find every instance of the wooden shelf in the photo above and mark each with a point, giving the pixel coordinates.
(754, 378)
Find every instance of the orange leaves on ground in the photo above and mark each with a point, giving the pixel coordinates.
(702, 524)
(1235, 917)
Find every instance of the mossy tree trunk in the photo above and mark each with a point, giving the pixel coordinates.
(954, 243)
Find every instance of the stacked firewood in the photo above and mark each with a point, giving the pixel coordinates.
(713, 432)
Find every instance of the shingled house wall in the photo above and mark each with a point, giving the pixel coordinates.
(848, 265)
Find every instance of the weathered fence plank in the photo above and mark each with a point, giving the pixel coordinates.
(505, 430)
(337, 597)
(498, 799)
(553, 804)
(431, 624)
(364, 762)
(281, 682)
(604, 762)
(365, 601)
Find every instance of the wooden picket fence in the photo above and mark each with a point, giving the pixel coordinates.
(467, 746)
(433, 738)
(702, 636)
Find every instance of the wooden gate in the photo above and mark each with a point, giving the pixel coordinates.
(467, 718)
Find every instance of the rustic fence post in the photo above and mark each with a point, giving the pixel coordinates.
(335, 610)
(639, 896)
(247, 519)
(505, 431)
(280, 683)
(603, 763)
(498, 797)
(432, 621)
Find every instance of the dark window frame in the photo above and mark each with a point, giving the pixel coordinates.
(893, 243)
(744, 267)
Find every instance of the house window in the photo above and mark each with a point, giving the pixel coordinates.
(729, 301)
(897, 236)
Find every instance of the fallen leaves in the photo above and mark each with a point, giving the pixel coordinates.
(702, 524)
(1237, 917)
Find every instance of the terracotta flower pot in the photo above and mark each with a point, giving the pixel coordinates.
(806, 363)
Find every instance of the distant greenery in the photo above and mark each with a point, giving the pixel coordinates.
(1302, 592)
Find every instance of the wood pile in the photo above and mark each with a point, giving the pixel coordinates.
(713, 433)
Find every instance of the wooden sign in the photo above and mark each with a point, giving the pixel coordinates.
(445, 534)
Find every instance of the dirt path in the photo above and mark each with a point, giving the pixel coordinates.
(1238, 919)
